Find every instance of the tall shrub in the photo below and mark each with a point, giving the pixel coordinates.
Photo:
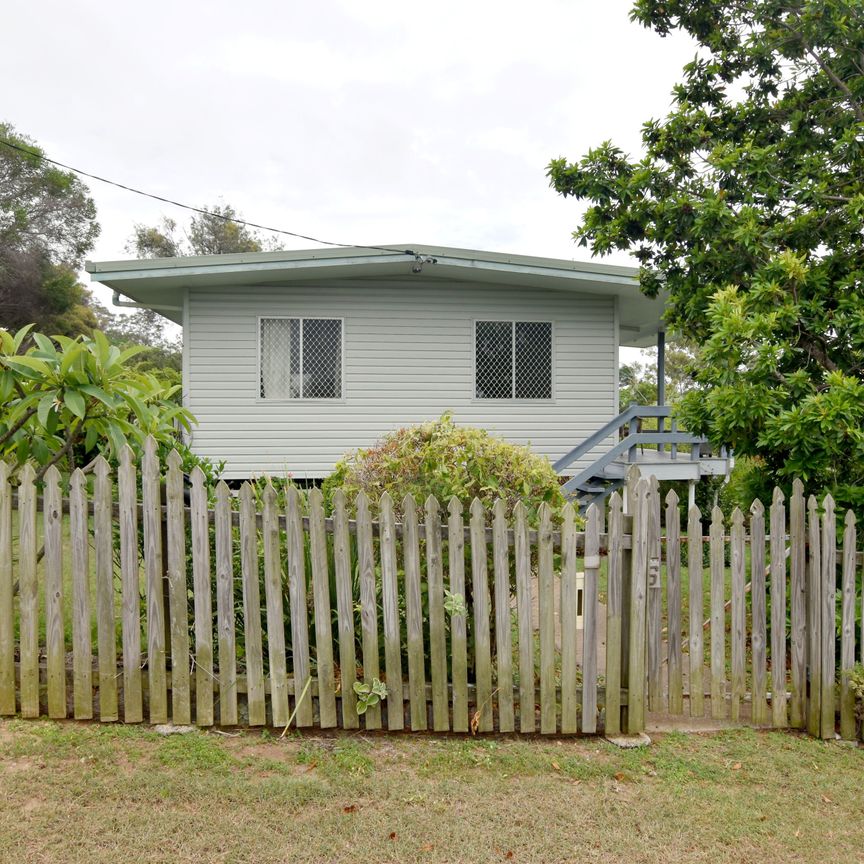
(445, 460)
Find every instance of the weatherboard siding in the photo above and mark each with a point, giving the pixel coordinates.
(408, 357)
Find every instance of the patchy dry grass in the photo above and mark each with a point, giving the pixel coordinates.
(88, 793)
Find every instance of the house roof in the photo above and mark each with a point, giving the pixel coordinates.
(158, 283)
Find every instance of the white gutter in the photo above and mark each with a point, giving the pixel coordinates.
(131, 304)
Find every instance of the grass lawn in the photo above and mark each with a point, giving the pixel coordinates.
(90, 793)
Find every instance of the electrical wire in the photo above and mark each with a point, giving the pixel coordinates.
(29, 152)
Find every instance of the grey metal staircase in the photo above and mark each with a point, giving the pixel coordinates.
(655, 451)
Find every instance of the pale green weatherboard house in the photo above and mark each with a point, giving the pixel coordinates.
(290, 359)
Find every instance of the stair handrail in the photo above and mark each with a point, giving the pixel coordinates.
(634, 439)
(629, 414)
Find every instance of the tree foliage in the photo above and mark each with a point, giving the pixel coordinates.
(637, 381)
(66, 400)
(47, 226)
(211, 233)
(158, 352)
(747, 208)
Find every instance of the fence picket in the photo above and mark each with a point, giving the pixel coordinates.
(589, 619)
(627, 564)
(614, 591)
(696, 685)
(655, 600)
(178, 609)
(527, 690)
(545, 584)
(203, 599)
(437, 635)
(673, 603)
(303, 705)
(55, 649)
(569, 621)
(458, 622)
(369, 609)
(321, 603)
(153, 569)
(798, 605)
(739, 614)
(7, 618)
(252, 640)
(106, 640)
(226, 642)
(503, 636)
(814, 618)
(637, 624)
(344, 611)
(414, 614)
(829, 615)
(482, 602)
(275, 609)
(847, 637)
(718, 617)
(82, 652)
(28, 592)
(759, 624)
(778, 610)
(390, 615)
(130, 575)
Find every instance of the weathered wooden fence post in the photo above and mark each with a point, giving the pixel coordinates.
(177, 618)
(847, 637)
(718, 617)
(798, 604)
(655, 599)
(697, 611)
(814, 619)
(778, 610)
(614, 605)
(673, 604)
(626, 583)
(829, 615)
(637, 672)
(758, 641)
(7, 621)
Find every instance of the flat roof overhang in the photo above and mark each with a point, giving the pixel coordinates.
(159, 283)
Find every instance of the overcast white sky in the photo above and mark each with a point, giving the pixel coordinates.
(373, 122)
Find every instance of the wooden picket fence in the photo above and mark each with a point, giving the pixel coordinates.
(172, 602)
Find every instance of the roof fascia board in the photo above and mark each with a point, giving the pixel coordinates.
(310, 264)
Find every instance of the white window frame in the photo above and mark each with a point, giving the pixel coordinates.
(325, 400)
(509, 400)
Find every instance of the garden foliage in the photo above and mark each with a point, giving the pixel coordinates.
(445, 460)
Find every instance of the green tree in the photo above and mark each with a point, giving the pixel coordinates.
(47, 226)
(747, 208)
(66, 400)
(211, 233)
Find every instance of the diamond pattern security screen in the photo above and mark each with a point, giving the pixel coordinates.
(301, 358)
(513, 360)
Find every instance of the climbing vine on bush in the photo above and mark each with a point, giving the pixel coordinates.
(445, 460)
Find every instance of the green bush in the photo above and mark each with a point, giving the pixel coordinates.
(445, 460)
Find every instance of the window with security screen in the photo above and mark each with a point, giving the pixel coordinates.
(300, 358)
(513, 360)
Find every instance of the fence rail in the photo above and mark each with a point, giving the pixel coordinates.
(143, 594)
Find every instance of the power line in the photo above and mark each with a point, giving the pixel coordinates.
(200, 210)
